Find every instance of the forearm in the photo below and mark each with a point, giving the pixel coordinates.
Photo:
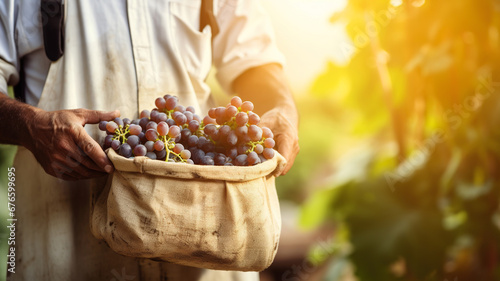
(15, 118)
(266, 86)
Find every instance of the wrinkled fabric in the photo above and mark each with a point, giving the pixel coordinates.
(216, 217)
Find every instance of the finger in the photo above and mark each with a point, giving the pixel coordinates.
(96, 116)
(82, 159)
(93, 151)
(78, 170)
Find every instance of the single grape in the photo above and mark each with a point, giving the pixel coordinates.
(159, 145)
(207, 161)
(160, 103)
(180, 108)
(210, 130)
(242, 149)
(161, 155)
(267, 133)
(135, 129)
(111, 127)
(241, 160)
(178, 148)
(180, 119)
(142, 137)
(189, 161)
(151, 125)
(193, 140)
(162, 128)
(241, 131)
(224, 131)
(232, 139)
(197, 155)
(107, 141)
(269, 143)
(232, 152)
(170, 122)
(194, 125)
(220, 112)
(258, 148)
(126, 122)
(133, 141)
(247, 106)
(145, 114)
(190, 109)
(207, 120)
(151, 155)
(189, 116)
(162, 117)
(102, 125)
(115, 145)
(220, 159)
(167, 96)
(211, 113)
(125, 150)
(241, 119)
(202, 141)
(174, 131)
(185, 134)
(255, 133)
(210, 154)
(185, 154)
(143, 123)
(268, 153)
(136, 122)
(149, 145)
(153, 115)
(236, 101)
(151, 135)
(170, 103)
(253, 119)
(118, 121)
(140, 150)
(231, 111)
(253, 158)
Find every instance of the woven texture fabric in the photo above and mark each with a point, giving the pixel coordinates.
(214, 217)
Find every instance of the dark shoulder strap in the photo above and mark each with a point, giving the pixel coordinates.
(53, 28)
(207, 17)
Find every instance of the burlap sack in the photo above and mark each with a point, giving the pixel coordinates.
(214, 217)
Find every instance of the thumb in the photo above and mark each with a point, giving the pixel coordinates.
(96, 116)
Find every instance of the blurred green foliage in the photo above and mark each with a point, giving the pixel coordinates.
(7, 153)
(419, 101)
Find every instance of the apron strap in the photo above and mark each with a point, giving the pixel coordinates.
(207, 17)
(53, 30)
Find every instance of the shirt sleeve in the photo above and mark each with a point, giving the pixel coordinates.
(9, 63)
(245, 40)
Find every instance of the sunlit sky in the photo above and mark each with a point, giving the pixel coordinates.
(306, 37)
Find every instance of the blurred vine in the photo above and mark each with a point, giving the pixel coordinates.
(422, 89)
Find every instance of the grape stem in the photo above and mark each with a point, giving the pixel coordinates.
(121, 134)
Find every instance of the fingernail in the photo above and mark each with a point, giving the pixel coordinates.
(108, 169)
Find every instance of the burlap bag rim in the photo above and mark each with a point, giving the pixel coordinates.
(145, 165)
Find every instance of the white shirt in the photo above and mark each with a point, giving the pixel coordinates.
(246, 40)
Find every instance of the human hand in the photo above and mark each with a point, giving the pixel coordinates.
(63, 147)
(285, 134)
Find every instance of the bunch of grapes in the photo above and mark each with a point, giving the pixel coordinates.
(227, 136)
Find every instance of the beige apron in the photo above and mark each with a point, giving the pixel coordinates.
(53, 239)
